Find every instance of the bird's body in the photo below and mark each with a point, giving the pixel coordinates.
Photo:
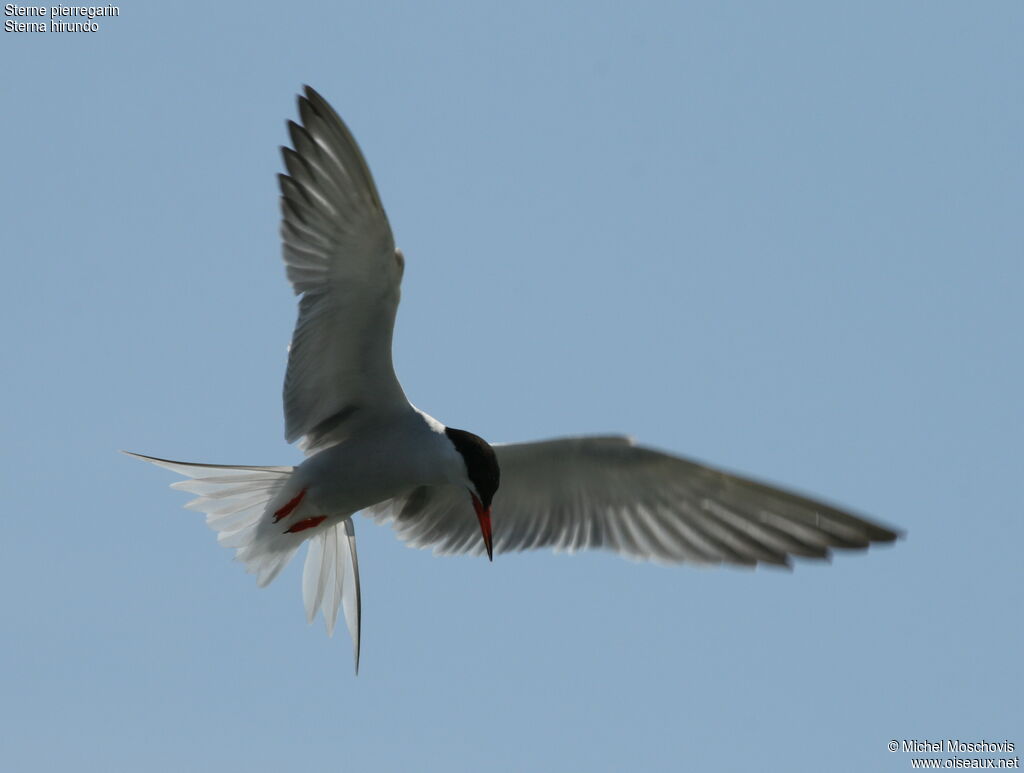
(370, 450)
(407, 450)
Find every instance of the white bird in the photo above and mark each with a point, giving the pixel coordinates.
(369, 449)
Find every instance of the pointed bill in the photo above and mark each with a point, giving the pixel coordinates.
(483, 515)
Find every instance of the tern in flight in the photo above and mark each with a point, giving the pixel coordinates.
(369, 449)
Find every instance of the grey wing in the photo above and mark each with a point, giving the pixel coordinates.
(605, 492)
(340, 256)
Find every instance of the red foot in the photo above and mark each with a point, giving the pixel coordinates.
(306, 523)
(289, 506)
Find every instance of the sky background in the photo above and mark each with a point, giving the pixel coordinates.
(783, 238)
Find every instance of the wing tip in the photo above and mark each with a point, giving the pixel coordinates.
(314, 98)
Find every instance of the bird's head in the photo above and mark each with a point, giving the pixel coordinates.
(481, 479)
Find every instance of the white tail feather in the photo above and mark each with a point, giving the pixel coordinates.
(238, 501)
(235, 500)
(330, 579)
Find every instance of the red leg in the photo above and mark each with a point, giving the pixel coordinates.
(306, 523)
(289, 506)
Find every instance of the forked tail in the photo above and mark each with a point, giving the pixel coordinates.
(243, 504)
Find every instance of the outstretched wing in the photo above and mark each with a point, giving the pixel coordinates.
(341, 258)
(605, 492)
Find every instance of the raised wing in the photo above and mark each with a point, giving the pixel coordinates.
(341, 257)
(605, 492)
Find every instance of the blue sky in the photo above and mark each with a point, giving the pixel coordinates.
(783, 238)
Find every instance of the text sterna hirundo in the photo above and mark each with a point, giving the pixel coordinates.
(370, 450)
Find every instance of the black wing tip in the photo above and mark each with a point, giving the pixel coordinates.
(297, 166)
(297, 132)
(312, 98)
(877, 533)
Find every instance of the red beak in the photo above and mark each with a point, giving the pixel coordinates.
(483, 515)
